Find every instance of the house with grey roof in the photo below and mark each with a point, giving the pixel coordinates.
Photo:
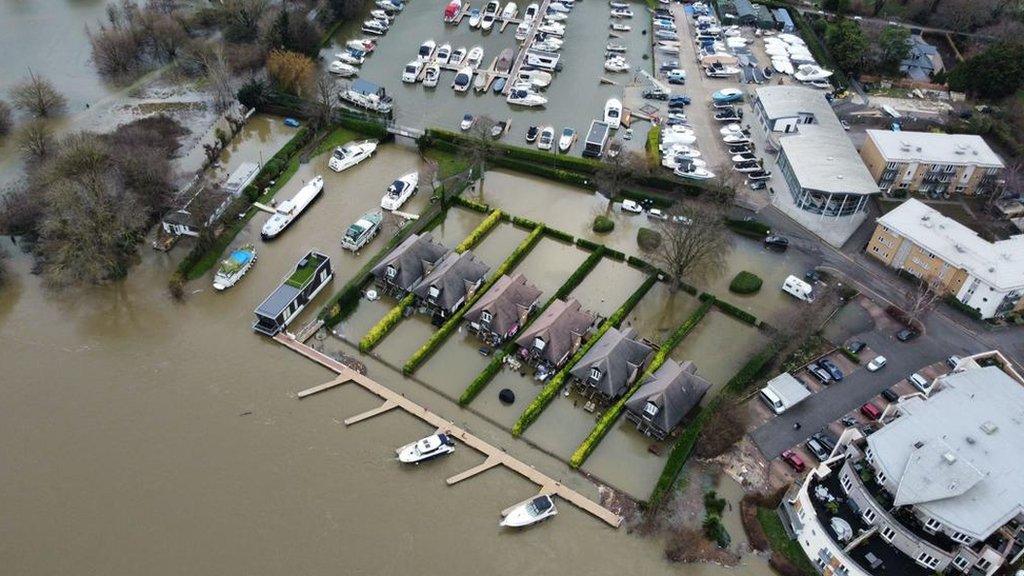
(553, 337)
(922, 61)
(403, 268)
(450, 282)
(667, 396)
(504, 309)
(612, 364)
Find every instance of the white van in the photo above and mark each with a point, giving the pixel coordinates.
(920, 382)
(772, 400)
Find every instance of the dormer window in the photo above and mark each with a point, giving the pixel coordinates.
(485, 317)
(539, 343)
(650, 410)
(595, 374)
(391, 272)
(434, 292)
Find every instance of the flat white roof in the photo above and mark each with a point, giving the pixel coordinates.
(824, 159)
(1000, 264)
(933, 148)
(789, 389)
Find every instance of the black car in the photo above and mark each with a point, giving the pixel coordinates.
(776, 241)
(906, 335)
(655, 95)
(820, 373)
(757, 185)
(684, 100)
(826, 440)
(813, 276)
(833, 370)
(889, 395)
(856, 346)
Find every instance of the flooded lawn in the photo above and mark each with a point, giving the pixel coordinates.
(575, 96)
(523, 386)
(608, 286)
(365, 316)
(550, 264)
(719, 346)
(260, 138)
(563, 425)
(405, 339)
(455, 364)
(458, 223)
(660, 312)
(624, 461)
(498, 244)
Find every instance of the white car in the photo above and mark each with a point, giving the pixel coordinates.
(877, 364)
(631, 206)
(657, 214)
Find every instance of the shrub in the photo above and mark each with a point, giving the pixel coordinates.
(603, 225)
(386, 324)
(470, 204)
(960, 306)
(741, 315)
(479, 232)
(615, 254)
(745, 283)
(752, 228)
(528, 224)
(853, 357)
(482, 379)
(37, 96)
(713, 505)
(252, 94)
(648, 239)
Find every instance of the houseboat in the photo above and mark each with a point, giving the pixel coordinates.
(362, 231)
(288, 211)
(367, 95)
(296, 291)
(597, 139)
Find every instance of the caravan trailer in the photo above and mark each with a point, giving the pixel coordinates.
(597, 138)
(798, 289)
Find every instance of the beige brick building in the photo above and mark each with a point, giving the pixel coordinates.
(987, 276)
(932, 164)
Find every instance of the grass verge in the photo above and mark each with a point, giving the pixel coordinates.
(780, 542)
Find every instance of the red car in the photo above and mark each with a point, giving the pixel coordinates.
(794, 460)
(871, 411)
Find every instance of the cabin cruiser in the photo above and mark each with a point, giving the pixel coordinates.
(352, 56)
(523, 30)
(531, 12)
(342, 69)
(463, 78)
(614, 4)
(614, 47)
(412, 71)
(426, 448)
(616, 64)
(362, 231)
(546, 139)
(374, 27)
(736, 139)
(727, 95)
(530, 512)
(390, 5)
(617, 27)
(548, 45)
(286, 212)
(523, 97)
(621, 13)
(811, 73)
(399, 191)
(613, 113)
(674, 161)
(426, 50)
(363, 44)
(443, 54)
(744, 157)
(475, 57)
(531, 134)
(559, 7)
(474, 17)
(236, 265)
(500, 128)
(367, 95)
(566, 140)
(553, 28)
(350, 154)
(467, 122)
(452, 11)
(382, 16)
(556, 16)
(686, 169)
(458, 55)
(510, 11)
(431, 75)
(489, 15)
(721, 71)
(537, 78)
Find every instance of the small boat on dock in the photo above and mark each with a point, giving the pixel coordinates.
(350, 154)
(288, 211)
(567, 139)
(500, 128)
(499, 85)
(236, 265)
(458, 55)
(431, 75)
(505, 60)
(480, 83)
(362, 231)
(443, 54)
(620, 27)
(546, 139)
(538, 78)
(489, 15)
(375, 27)
(474, 17)
(530, 512)
(531, 134)
(426, 51)
(531, 12)
(452, 11)
(475, 57)
(523, 97)
(463, 78)
(523, 30)
(613, 113)
(425, 449)
(411, 73)
(343, 69)
(365, 44)
(510, 11)
(400, 191)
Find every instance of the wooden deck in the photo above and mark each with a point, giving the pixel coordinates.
(494, 456)
(530, 36)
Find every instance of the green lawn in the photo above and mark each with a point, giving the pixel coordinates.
(780, 542)
(448, 164)
(303, 273)
(336, 138)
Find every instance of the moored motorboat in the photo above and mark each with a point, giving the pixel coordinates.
(342, 69)
(236, 265)
(621, 13)
(489, 15)
(375, 27)
(426, 51)
(531, 134)
(458, 55)
(616, 64)
(452, 11)
(530, 512)
(431, 75)
(523, 97)
(615, 47)
(443, 54)
(425, 449)
(350, 154)
(538, 78)
(362, 231)
(475, 57)
(411, 72)
(613, 113)
(618, 27)
(288, 211)
(498, 86)
(399, 191)
(500, 127)
(474, 17)
(463, 78)
(364, 44)
(510, 11)
(567, 139)
(546, 139)
(467, 122)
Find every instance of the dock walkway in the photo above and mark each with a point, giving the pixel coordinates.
(494, 456)
(530, 36)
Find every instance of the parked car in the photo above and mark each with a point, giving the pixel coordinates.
(812, 276)
(668, 65)
(820, 373)
(631, 206)
(856, 346)
(657, 214)
(871, 411)
(906, 335)
(833, 370)
(952, 361)
(794, 460)
(814, 446)
(680, 99)
(776, 241)
(920, 382)
(772, 400)
(877, 363)
(676, 76)
(826, 440)
(890, 395)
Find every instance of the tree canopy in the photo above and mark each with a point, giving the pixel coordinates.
(995, 73)
(848, 45)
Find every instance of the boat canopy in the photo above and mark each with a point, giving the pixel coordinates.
(366, 87)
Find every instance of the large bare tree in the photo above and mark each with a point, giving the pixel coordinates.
(921, 299)
(479, 146)
(696, 248)
(37, 96)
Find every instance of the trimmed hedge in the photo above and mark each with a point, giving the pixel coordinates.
(474, 206)
(552, 388)
(615, 254)
(479, 232)
(587, 244)
(560, 235)
(580, 273)
(386, 324)
(651, 146)
(603, 225)
(483, 378)
(608, 418)
(737, 313)
(960, 306)
(442, 333)
(752, 228)
(745, 283)
(526, 223)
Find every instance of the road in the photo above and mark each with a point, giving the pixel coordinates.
(890, 22)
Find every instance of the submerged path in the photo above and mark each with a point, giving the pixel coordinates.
(495, 456)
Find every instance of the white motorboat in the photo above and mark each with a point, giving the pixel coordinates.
(509, 11)
(782, 65)
(546, 138)
(621, 13)
(675, 139)
(547, 45)
(425, 449)
(523, 97)
(474, 18)
(721, 71)
(352, 56)
(620, 27)
(735, 139)
(613, 113)
(553, 28)
(559, 7)
(687, 170)
(463, 78)
(615, 47)
(683, 150)
(530, 512)
(443, 54)
(381, 15)
(747, 167)
(536, 78)
(676, 129)
(744, 157)
(489, 15)
(374, 27)
(467, 122)
(389, 5)
(730, 129)
(431, 75)
(342, 69)
(673, 162)
(531, 12)
(412, 71)
(811, 73)
(550, 40)
(616, 64)
(556, 16)
(362, 231)
(566, 140)
(350, 154)
(614, 4)
(426, 51)
(236, 265)
(363, 44)
(399, 191)
(475, 57)
(458, 55)
(523, 30)
(286, 212)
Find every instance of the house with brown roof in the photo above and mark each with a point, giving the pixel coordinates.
(611, 365)
(448, 284)
(503, 309)
(405, 266)
(556, 334)
(667, 396)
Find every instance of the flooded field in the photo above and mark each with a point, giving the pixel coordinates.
(608, 286)
(624, 461)
(575, 96)
(720, 345)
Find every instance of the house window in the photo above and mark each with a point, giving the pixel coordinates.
(961, 537)
(961, 562)
(392, 272)
(870, 516)
(984, 564)
(881, 477)
(926, 559)
(847, 483)
(888, 533)
(892, 165)
(932, 525)
(434, 292)
(650, 410)
(595, 374)
(486, 317)
(870, 455)
(539, 343)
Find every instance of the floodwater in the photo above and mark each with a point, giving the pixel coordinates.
(720, 345)
(575, 96)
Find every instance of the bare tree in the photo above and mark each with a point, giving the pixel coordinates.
(35, 141)
(1013, 185)
(428, 175)
(726, 427)
(5, 118)
(617, 173)
(243, 18)
(695, 249)
(722, 188)
(322, 106)
(922, 299)
(479, 146)
(21, 210)
(37, 96)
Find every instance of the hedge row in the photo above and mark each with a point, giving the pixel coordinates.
(479, 232)
(580, 273)
(608, 418)
(470, 204)
(958, 305)
(741, 315)
(483, 378)
(386, 324)
(560, 235)
(554, 386)
(442, 333)
(528, 224)
(752, 228)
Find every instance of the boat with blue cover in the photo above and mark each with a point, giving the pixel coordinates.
(236, 265)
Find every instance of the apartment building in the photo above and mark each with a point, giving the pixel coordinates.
(933, 164)
(987, 276)
(935, 490)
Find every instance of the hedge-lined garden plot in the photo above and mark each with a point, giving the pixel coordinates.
(608, 286)
(719, 346)
(624, 461)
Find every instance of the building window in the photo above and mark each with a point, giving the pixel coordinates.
(870, 516)
(847, 483)
(888, 533)
(650, 410)
(595, 374)
(539, 343)
(961, 537)
(392, 272)
(892, 165)
(932, 525)
(881, 477)
(984, 564)
(926, 559)
(434, 292)
(870, 455)
(961, 562)
(486, 317)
